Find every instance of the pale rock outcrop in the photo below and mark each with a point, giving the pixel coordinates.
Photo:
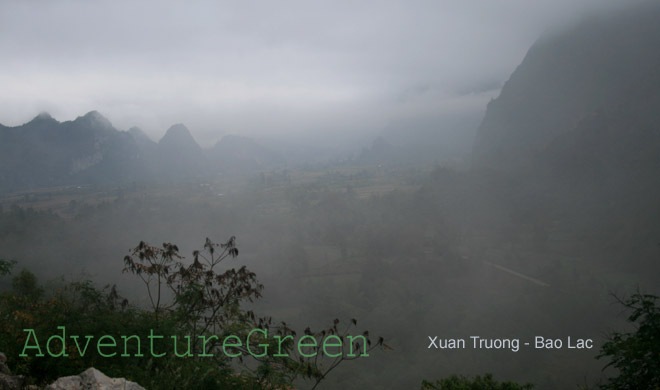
(93, 379)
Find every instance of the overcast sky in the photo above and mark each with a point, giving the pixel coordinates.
(248, 67)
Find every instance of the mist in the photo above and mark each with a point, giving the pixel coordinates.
(405, 170)
(285, 69)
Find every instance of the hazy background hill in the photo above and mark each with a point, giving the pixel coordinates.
(604, 67)
(179, 155)
(572, 144)
(45, 152)
(89, 150)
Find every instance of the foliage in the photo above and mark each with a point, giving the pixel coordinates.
(185, 301)
(6, 266)
(636, 355)
(25, 285)
(485, 382)
(207, 302)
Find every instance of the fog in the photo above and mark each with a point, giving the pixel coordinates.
(286, 68)
(427, 168)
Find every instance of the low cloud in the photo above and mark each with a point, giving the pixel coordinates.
(248, 67)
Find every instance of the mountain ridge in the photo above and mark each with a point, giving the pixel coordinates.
(90, 150)
(564, 79)
(574, 137)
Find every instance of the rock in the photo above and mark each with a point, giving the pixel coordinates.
(93, 379)
(8, 381)
(11, 382)
(67, 382)
(3, 364)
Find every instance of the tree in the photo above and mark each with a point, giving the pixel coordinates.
(6, 266)
(203, 297)
(25, 284)
(206, 301)
(636, 355)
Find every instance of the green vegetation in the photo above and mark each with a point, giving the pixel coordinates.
(636, 355)
(6, 266)
(485, 382)
(191, 302)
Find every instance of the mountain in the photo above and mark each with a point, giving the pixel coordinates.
(141, 138)
(89, 150)
(178, 155)
(45, 152)
(178, 139)
(572, 143)
(568, 84)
